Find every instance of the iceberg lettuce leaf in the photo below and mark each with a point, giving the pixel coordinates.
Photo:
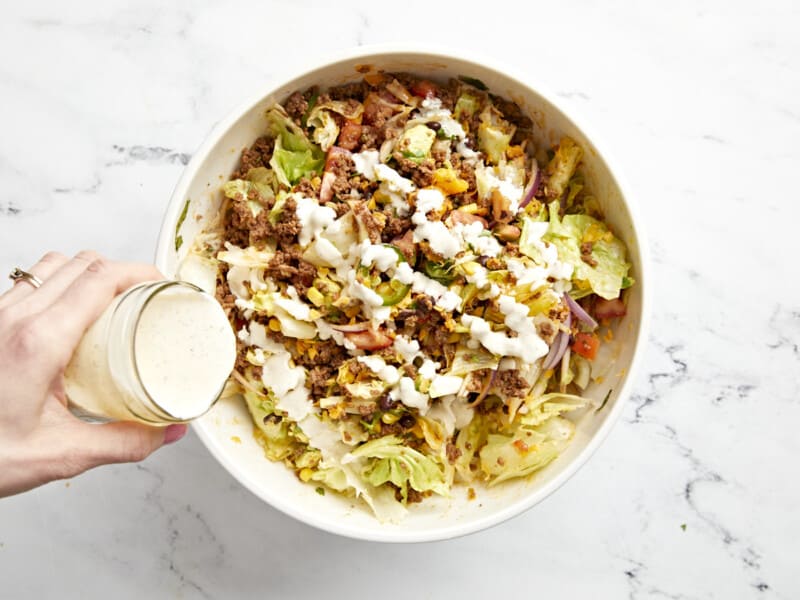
(389, 460)
(273, 432)
(494, 134)
(468, 441)
(294, 156)
(547, 406)
(608, 271)
(562, 167)
(525, 450)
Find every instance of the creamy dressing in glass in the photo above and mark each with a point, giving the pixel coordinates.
(161, 352)
(184, 350)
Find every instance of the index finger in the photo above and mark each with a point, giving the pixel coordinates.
(90, 294)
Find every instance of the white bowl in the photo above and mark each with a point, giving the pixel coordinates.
(227, 429)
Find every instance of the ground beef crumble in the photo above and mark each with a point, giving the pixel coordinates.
(419, 171)
(306, 188)
(289, 267)
(257, 155)
(341, 165)
(511, 384)
(367, 219)
(296, 106)
(395, 226)
(288, 225)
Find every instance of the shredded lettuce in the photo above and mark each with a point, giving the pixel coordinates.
(322, 121)
(466, 106)
(366, 390)
(546, 406)
(468, 441)
(256, 194)
(333, 477)
(606, 277)
(294, 156)
(271, 304)
(562, 167)
(276, 438)
(467, 360)
(245, 257)
(525, 449)
(416, 142)
(494, 134)
(390, 460)
(583, 370)
(326, 130)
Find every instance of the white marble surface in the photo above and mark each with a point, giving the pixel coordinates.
(694, 495)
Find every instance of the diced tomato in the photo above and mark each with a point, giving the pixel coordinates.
(375, 109)
(424, 88)
(369, 339)
(465, 218)
(521, 446)
(334, 151)
(350, 135)
(586, 344)
(608, 309)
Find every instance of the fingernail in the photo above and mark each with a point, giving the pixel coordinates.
(174, 432)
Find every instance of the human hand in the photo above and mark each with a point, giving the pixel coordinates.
(40, 440)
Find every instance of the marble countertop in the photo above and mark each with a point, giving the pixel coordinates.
(694, 495)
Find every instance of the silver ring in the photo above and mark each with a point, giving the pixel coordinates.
(18, 275)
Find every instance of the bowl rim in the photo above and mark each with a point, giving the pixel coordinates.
(424, 52)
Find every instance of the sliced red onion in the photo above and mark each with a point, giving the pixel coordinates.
(559, 346)
(533, 188)
(485, 389)
(352, 328)
(579, 312)
(326, 188)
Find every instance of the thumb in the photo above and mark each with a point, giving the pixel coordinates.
(122, 442)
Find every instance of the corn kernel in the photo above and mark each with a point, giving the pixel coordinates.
(448, 182)
(315, 297)
(274, 324)
(469, 267)
(514, 151)
(471, 208)
(306, 474)
(390, 418)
